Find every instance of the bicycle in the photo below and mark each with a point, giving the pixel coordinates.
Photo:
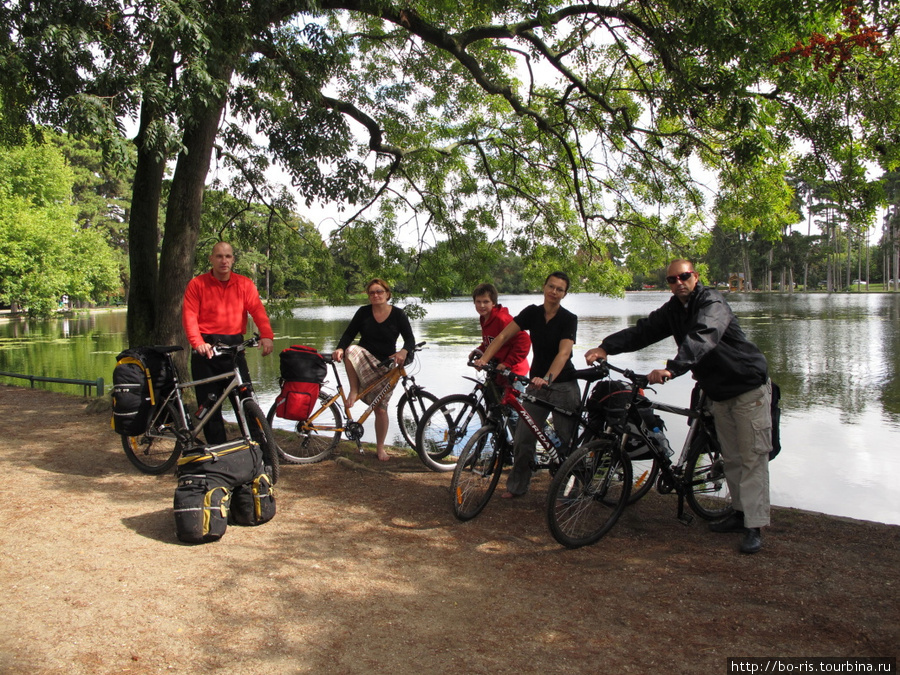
(450, 422)
(315, 438)
(698, 476)
(482, 460)
(172, 429)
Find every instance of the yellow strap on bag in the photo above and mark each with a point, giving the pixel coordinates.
(208, 507)
(257, 503)
(131, 359)
(211, 456)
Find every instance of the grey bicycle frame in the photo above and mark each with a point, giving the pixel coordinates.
(193, 429)
(690, 413)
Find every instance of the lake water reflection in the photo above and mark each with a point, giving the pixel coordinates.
(836, 358)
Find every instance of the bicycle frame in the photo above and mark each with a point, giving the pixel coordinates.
(512, 399)
(479, 467)
(387, 382)
(673, 474)
(185, 428)
(650, 440)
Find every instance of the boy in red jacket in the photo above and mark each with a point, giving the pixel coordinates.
(493, 318)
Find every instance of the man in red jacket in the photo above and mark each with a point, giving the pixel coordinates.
(493, 318)
(215, 309)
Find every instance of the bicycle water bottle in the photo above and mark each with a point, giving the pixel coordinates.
(548, 456)
(204, 407)
(551, 434)
(662, 441)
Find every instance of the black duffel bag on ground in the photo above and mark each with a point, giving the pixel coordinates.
(206, 484)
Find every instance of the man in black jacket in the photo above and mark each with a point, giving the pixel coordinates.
(734, 374)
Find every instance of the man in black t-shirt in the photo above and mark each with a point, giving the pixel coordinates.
(553, 329)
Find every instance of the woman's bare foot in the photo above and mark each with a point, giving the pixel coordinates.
(383, 456)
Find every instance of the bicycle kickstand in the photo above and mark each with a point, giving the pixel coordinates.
(683, 517)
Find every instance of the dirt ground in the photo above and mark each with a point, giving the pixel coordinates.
(365, 570)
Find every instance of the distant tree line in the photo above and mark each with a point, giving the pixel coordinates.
(63, 232)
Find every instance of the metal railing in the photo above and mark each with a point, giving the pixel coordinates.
(87, 384)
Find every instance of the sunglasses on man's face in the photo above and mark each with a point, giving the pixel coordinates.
(684, 276)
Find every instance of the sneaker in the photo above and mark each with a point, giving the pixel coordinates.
(733, 523)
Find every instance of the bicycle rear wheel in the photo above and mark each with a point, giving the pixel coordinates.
(261, 433)
(411, 410)
(588, 494)
(707, 494)
(311, 441)
(445, 429)
(158, 453)
(478, 471)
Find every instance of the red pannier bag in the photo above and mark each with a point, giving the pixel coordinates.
(302, 372)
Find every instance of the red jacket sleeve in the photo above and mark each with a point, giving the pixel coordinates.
(253, 304)
(517, 350)
(190, 313)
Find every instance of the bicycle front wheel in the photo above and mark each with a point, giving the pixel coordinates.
(311, 441)
(445, 428)
(157, 453)
(588, 494)
(644, 472)
(478, 471)
(707, 494)
(261, 432)
(410, 411)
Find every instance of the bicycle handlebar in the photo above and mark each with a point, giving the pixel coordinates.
(490, 368)
(638, 381)
(220, 348)
(329, 358)
(591, 374)
(389, 361)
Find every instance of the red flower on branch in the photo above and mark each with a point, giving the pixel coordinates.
(836, 51)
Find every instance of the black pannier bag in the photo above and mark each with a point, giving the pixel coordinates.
(253, 503)
(141, 378)
(776, 422)
(302, 372)
(606, 408)
(201, 509)
(776, 417)
(206, 479)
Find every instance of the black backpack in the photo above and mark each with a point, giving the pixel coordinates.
(141, 378)
(606, 408)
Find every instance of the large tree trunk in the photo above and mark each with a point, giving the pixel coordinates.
(143, 236)
(182, 229)
(143, 219)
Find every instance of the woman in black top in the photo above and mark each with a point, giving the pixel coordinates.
(552, 329)
(378, 324)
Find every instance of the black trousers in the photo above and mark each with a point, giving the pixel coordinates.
(202, 367)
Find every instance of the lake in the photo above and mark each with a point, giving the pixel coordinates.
(836, 358)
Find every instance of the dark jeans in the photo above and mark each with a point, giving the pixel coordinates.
(202, 367)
